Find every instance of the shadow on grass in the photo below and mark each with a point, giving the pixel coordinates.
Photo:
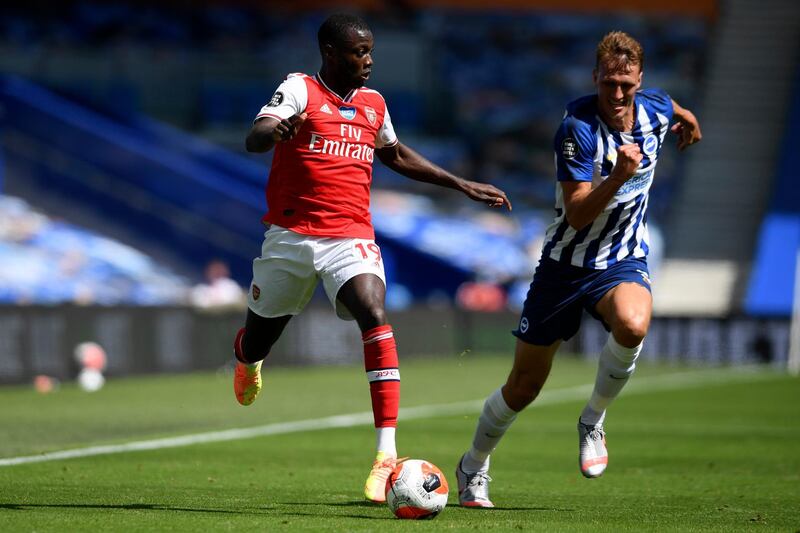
(498, 508)
(369, 505)
(359, 516)
(121, 506)
(262, 512)
(356, 503)
(158, 507)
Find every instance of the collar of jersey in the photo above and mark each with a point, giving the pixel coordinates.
(347, 98)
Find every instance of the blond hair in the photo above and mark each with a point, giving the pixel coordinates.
(619, 50)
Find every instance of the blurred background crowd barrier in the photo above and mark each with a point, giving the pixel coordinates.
(37, 340)
(124, 182)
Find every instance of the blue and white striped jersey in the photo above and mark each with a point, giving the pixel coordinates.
(586, 150)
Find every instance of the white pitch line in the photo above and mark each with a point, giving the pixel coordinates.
(548, 397)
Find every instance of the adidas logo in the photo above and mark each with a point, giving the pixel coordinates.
(326, 109)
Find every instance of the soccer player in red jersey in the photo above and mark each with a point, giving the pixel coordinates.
(326, 130)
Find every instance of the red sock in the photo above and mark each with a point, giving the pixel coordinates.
(380, 362)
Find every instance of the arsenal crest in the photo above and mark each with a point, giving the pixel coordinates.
(371, 115)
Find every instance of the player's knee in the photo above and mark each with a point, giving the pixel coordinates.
(631, 330)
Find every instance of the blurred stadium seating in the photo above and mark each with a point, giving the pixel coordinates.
(48, 261)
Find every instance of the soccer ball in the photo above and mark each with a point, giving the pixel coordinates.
(416, 490)
(91, 380)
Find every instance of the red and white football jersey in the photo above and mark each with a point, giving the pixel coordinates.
(320, 181)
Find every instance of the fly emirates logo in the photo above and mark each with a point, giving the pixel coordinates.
(348, 146)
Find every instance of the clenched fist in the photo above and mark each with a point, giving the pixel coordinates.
(628, 158)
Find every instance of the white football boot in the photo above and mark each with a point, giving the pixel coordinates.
(593, 456)
(473, 489)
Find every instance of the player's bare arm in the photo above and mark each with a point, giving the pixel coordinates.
(269, 130)
(687, 128)
(583, 203)
(410, 164)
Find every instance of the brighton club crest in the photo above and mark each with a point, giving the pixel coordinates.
(371, 115)
(650, 145)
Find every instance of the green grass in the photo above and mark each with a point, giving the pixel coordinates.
(719, 455)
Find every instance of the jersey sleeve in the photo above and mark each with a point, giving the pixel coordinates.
(659, 101)
(575, 147)
(386, 135)
(291, 98)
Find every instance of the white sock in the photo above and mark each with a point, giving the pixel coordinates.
(385, 441)
(495, 419)
(615, 366)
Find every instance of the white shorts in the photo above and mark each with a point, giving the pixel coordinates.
(291, 265)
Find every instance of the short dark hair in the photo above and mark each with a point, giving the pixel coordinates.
(336, 28)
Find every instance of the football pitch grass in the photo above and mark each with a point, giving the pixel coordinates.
(691, 449)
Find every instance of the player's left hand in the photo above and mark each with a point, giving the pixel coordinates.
(687, 129)
(488, 194)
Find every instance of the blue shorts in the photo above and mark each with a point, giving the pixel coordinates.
(559, 293)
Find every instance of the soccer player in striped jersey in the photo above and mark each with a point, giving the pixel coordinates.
(326, 131)
(594, 256)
